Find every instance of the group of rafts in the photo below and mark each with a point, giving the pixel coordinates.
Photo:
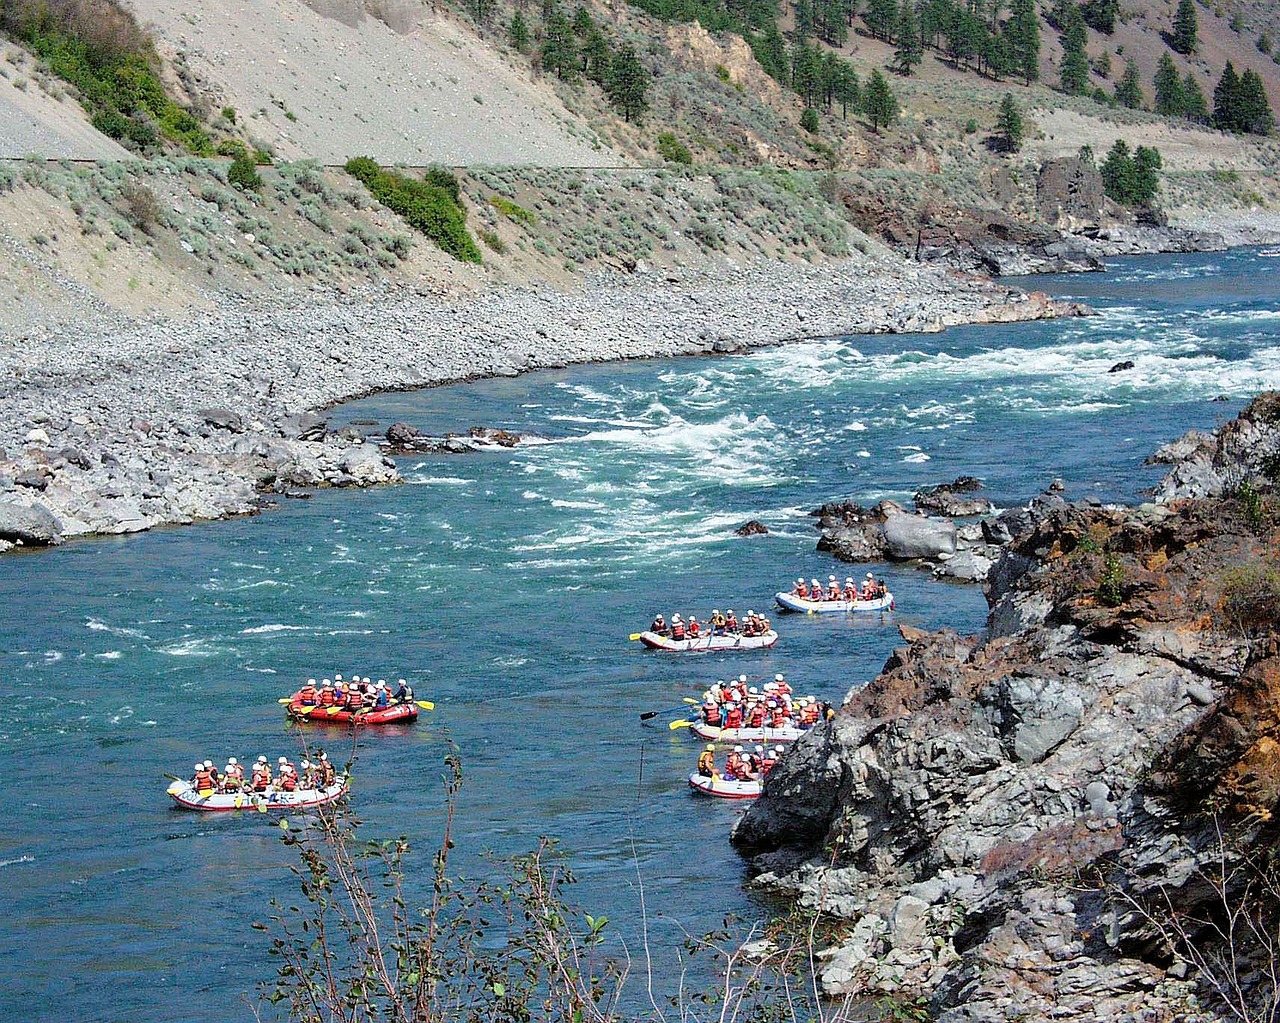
(743, 715)
(355, 702)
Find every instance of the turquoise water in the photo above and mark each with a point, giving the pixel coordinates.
(504, 585)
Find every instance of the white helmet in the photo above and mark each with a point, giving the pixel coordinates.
(401, 681)
(742, 678)
(284, 760)
(870, 576)
(208, 765)
(231, 760)
(326, 682)
(311, 681)
(759, 749)
(777, 750)
(306, 764)
(754, 691)
(737, 749)
(831, 578)
(262, 758)
(778, 677)
(199, 767)
(338, 675)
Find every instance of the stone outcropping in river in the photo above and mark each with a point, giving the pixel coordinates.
(1004, 821)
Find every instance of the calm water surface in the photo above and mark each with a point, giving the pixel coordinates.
(504, 585)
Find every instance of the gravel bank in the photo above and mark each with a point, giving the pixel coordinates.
(117, 430)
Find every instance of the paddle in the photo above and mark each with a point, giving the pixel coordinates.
(682, 723)
(285, 700)
(634, 636)
(425, 704)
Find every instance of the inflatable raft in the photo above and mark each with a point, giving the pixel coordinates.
(717, 785)
(188, 798)
(300, 711)
(790, 602)
(714, 733)
(729, 641)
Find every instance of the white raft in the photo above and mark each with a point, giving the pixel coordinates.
(714, 733)
(717, 785)
(728, 641)
(790, 602)
(188, 798)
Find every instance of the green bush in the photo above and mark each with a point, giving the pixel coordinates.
(672, 149)
(511, 210)
(492, 240)
(244, 173)
(1110, 591)
(429, 205)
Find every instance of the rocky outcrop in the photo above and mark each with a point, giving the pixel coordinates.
(954, 499)
(1207, 465)
(991, 814)
(752, 527)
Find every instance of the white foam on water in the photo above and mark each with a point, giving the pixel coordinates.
(195, 647)
(123, 714)
(510, 662)
(52, 656)
(863, 454)
(17, 860)
(274, 627)
(442, 481)
(919, 456)
(854, 427)
(148, 724)
(578, 505)
(109, 655)
(96, 626)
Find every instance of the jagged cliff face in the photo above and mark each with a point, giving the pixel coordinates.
(1129, 678)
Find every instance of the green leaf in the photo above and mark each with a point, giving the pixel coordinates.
(499, 988)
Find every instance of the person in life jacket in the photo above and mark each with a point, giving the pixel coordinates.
(730, 621)
(327, 773)
(768, 764)
(307, 694)
(868, 587)
(232, 776)
(755, 760)
(287, 775)
(677, 627)
(324, 697)
(382, 695)
(404, 694)
(777, 715)
(710, 711)
(355, 698)
(260, 778)
(732, 715)
(735, 768)
(694, 629)
(801, 588)
(659, 625)
(717, 622)
(755, 719)
(850, 592)
(810, 714)
(781, 684)
(707, 761)
(749, 624)
(203, 781)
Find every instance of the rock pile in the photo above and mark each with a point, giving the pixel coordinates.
(1010, 821)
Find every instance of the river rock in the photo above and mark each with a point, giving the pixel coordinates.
(304, 426)
(910, 536)
(28, 522)
(752, 527)
(402, 435)
(33, 479)
(954, 499)
(1120, 367)
(365, 465)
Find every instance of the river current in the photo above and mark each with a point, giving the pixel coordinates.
(504, 586)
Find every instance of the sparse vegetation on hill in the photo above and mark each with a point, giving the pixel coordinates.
(430, 205)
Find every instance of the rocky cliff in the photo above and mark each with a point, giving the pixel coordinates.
(1029, 822)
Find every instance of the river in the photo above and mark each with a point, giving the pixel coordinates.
(504, 585)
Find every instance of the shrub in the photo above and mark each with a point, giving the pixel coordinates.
(1110, 591)
(492, 240)
(140, 206)
(672, 149)
(244, 173)
(809, 120)
(429, 205)
(511, 210)
(1251, 599)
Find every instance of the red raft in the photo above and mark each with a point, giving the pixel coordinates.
(316, 714)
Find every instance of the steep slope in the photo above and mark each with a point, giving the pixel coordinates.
(333, 81)
(38, 116)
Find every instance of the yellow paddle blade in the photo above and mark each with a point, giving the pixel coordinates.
(682, 723)
(690, 701)
(333, 710)
(634, 636)
(425, 704)
(284, 701)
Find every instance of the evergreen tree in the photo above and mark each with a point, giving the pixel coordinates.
(1129, 88)
(880, 17)
(1146, 175)
(1000, 57)
(628, 84)
(1118, 174)
(1184, 28)
(804, 19)
(1010, 124)
(1100, 15)
(582, 22)
(1074, 73)
(1226, 99)
(1254, 112)
(1194, 105)
(830, 72)
(909, 52)
(935, 21)
(1023, 32)
(879, 103)
(809, 120)
(559, 51)
(770, 49)
(518, 32)
(1171, 101)
(597, 57)
(848, 90)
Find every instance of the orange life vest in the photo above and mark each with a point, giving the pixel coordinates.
(734, 767)
(733, 717)
(677, 630)
(204, 781)
(307, 694)
(261, 778)
(288, 777)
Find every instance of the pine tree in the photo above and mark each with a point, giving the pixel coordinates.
(1226, 100)
(880, 17)
(1184, 28)
(770, 49)
(1074, 74)
(597, 57)
(1010, 124)
(518, 32)
(559, 51)
(1194, 105)
(879, 103)
(628, 84)
(1023, 32)
(809, 120)
(582, 22)
(1100, 15)
(1171, 101)
(1146, 175)
(1129, 88)
(848, 90)
(1254, 112)
(909, 52)
(1118, 174)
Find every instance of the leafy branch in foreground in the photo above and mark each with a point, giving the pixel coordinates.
(510, 951)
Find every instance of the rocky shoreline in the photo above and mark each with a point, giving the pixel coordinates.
(119, 427)
(1040, 821)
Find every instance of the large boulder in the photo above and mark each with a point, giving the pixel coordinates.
(364, 465)
(222, 419)
(954, 500)
(910, 536)
(29, 523)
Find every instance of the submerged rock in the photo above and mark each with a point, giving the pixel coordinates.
(752, 527)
